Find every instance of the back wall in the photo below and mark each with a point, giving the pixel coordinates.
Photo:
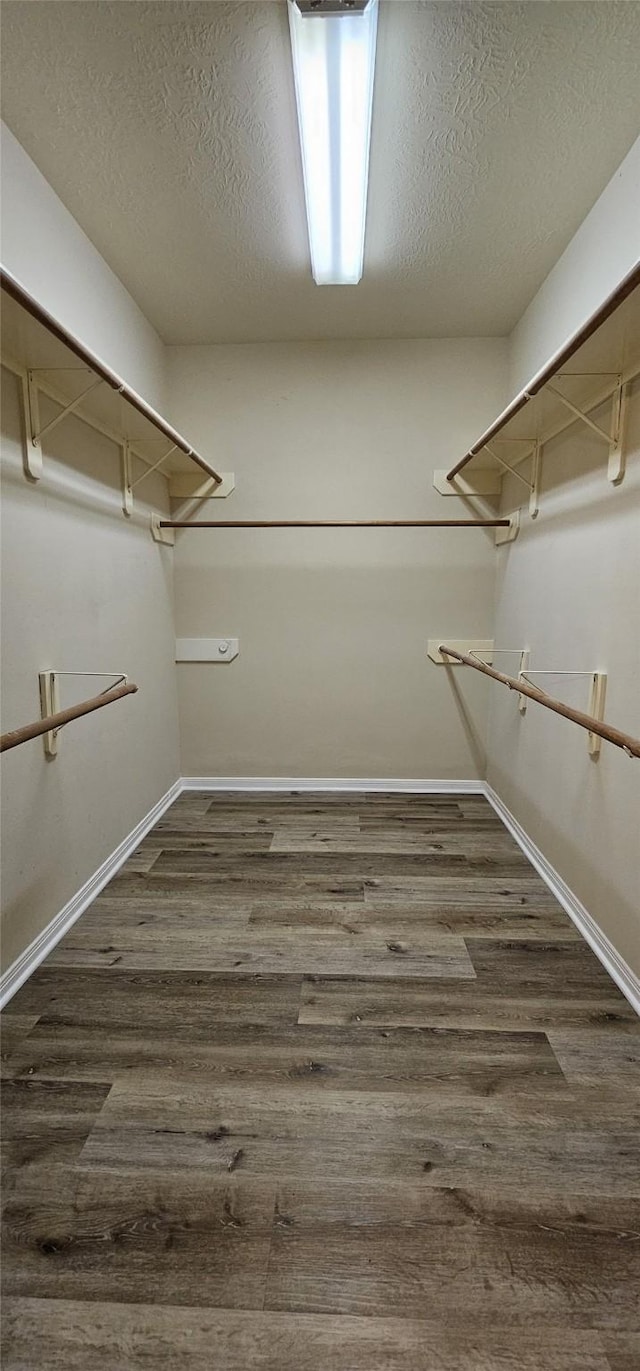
(332, 677)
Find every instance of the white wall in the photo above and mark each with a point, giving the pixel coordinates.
(45, 248)
(332, 677)
(568, 589)
(83, 589)
(605, 248)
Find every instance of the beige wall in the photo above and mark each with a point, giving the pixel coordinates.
(605, 248)
(569, 590)
(82, 589)
(332, 677)
(45, 248)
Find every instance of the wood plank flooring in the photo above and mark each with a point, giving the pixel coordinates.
(322, 1083)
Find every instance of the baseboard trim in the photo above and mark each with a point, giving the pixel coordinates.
(339, 783)
(607, 954)
(26, 963)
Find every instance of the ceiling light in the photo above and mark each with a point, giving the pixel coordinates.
(334, 52)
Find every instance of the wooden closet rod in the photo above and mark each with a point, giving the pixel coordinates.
(336, 523)
(606, 731)
(18, 292)
(554, 365)
(64, 716)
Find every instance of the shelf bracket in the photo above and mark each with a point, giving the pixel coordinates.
(615, 439)
(536, 476)
(125, 472)
(32, 452)
(596, 697)
(512, 470)
(49, 704)
(582, 414)
(617, 450)
(33, 456)
(596, 709)
(524, 666)
(154, 467)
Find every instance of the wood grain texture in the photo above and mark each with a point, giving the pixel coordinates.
(322, 1083)
(65, 1335)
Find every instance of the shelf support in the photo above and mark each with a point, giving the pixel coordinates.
(536, 477)
(125, 472)
(154, 467)
(581, 414)
(49, 704)
(617, 450)
(596, 697)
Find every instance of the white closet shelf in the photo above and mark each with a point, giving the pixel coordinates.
(51, 361)
(593, 368)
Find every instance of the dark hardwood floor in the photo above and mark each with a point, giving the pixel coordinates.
(322, 1083)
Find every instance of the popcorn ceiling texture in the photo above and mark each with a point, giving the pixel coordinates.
(169, 131)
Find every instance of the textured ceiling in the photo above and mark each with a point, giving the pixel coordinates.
(169, 131)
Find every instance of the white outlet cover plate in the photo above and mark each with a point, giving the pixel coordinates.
(207, 649)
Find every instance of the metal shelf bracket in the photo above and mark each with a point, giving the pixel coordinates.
(615, 438)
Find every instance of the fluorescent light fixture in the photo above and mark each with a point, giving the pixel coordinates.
(334, 53)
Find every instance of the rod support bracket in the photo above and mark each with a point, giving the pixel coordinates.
(486, 481)
(509, 535)
(196, 485)
(161, 535)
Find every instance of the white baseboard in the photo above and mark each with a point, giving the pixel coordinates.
(26, 963)
(618, 969)
(360, 784)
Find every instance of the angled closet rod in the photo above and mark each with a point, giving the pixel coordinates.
(629, 744)
(64, 716)
(336, 523)
(18, 292)
(546, 374)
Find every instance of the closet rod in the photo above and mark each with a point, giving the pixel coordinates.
(606, 731)
(18, 292)
(554, 365)
(64, 716)
(336, 523)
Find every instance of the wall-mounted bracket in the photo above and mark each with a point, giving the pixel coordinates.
(49, 704)
(513, 471)
(616, 437)
(125, 472)
(617, 450)
(596, 709)
(596, 697)
(509, 535)
(33, 454)
(161, 535)
(524, 666)
(483, 647)
(191, 486)
(483, 482)
(536, 476)
(207, 649)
